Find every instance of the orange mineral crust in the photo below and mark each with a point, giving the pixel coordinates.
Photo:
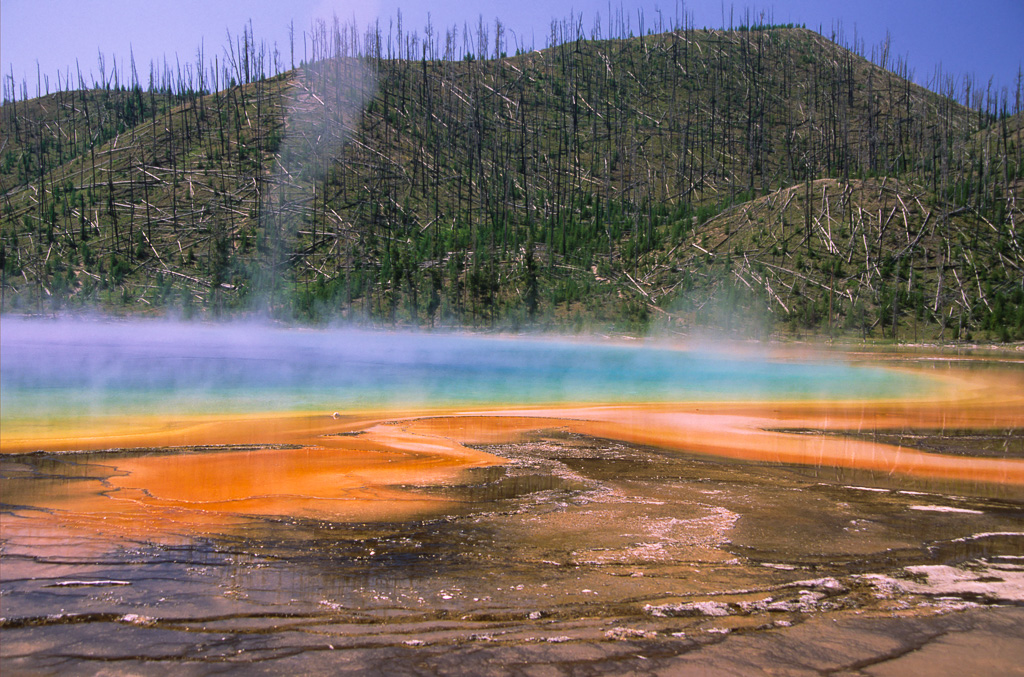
(214, 473)
(296, 466)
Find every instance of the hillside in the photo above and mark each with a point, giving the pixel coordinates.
(759, 181)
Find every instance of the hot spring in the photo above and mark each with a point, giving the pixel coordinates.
(250, 498)
(75, 369)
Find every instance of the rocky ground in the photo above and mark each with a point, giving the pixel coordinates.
(580, 556)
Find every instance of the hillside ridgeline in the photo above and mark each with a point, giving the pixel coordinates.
(763, 181)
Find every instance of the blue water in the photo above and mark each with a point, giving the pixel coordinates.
(80, 368)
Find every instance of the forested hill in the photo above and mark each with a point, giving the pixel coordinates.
(762, 180)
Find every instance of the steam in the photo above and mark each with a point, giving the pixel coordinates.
(324, 103)
(82, 368)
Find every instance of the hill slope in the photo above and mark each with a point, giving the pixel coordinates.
(754, 180)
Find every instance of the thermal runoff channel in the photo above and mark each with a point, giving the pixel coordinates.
(82, 369)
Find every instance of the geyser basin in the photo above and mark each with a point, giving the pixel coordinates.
(88, 369)
(251, 421)
(247, 499)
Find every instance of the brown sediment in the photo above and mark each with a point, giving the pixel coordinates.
(355, 467)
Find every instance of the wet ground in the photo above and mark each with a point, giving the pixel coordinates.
(578, 556)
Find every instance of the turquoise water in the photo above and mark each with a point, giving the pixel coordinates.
(79, 368)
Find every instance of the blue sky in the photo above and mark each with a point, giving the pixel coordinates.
(980, 38)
